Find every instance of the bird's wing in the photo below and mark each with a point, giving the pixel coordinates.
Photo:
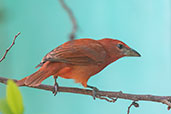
(78, 52)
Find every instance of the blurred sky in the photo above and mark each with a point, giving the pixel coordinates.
(144, 25)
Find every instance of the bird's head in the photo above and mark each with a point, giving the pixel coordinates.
(118, 49)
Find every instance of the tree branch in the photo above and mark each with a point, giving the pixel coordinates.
(3, 57)
(72, 18)
(105, 95)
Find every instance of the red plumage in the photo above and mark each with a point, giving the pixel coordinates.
(79, 60)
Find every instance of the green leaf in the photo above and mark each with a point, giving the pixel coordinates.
(4, 108)
(14, 98)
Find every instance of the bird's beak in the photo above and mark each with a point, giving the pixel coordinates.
(131, 52)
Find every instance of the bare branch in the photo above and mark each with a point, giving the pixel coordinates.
(9, 47)
(106, 95)
(72, 18)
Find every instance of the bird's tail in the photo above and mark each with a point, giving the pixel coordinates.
(35, 79)
(44, 72)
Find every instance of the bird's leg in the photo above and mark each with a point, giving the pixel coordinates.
(94, 90)
(55, 86)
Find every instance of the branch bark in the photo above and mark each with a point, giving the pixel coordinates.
(105, 95)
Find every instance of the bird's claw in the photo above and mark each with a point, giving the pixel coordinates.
(94, 91)
(55, 91)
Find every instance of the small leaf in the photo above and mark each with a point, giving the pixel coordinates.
(14, 98)
(4, 108)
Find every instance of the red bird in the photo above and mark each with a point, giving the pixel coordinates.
(79, 60)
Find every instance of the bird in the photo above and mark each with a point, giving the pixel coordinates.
(79, 59)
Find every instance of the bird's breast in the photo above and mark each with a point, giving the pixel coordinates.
(80, 74)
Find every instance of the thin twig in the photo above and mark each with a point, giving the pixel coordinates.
(167, 102)
(160, 99)
(129, 108)
(72, 18)
(9, 47)
(132, 104)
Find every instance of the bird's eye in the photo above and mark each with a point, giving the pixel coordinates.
(120, 46)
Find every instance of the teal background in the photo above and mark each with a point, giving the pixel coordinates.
(144, 25)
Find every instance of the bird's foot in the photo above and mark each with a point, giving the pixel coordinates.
(55, 91)
(94, 91)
